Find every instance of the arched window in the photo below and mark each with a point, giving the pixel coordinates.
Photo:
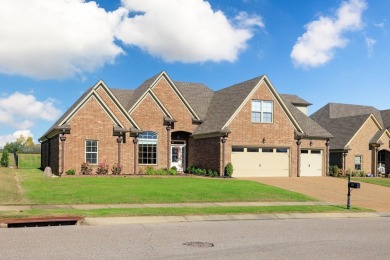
(147, 148)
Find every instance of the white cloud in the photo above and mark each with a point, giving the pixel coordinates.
(52, 39)
(185, 31)
(370, 45)
(12, 137)
(317, 45)
(56, 38)
(20, 111)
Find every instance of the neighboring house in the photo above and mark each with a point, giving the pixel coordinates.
(361, 136)
(165, 123)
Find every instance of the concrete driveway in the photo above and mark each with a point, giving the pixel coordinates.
(334, 190)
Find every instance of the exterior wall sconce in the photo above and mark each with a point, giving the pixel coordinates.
(311, 143)
(264, 140)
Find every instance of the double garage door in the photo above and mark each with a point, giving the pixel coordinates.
(260, 162)
(273, 162)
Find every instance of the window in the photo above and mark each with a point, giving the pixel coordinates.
(358, 163)
(281, 150)
(91, 151)
(147, 148)
(262, 111)
(237, 149)
(304, 151)
(267, 150)
(252, 150)
(315, 151)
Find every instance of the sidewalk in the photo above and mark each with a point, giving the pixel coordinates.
(165, 205)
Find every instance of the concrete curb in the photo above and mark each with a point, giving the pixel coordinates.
(193, 218)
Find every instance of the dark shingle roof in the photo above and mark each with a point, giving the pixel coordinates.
(377, 136)
(308, 125)
(197, 95)
(123, 96)
(337, 110)
(223, 105)
(295, 100)
(386, 118)
(138, 92)
(67, 113)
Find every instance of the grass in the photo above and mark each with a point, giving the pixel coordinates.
(9, 192)
(377, 181)
(29, 161)
(121, 190)
(126, 212)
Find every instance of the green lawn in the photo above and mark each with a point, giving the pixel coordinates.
(125, 212)
(9, 192)
(29, 161)
(119, 190)
(377, 181)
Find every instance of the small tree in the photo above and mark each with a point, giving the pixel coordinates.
(229, 170)
(4, 161)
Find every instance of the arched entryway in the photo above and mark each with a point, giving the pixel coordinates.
(383, 161)
(179, 150)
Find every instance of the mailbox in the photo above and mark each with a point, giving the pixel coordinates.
(354, 185)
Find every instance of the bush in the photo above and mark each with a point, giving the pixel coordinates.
(70, 172)
(116, 169)
(86, 169)
(229, 170)
(4, 161)
(149, 170)
(333, 170)
(173, 171)
(102, 168)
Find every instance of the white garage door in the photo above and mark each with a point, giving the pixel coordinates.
(311, 162)
(260, 162)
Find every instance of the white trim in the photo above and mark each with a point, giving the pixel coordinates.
(268, 84)
(175, 90)
(93, 92)
(371, 116)
(97, 151)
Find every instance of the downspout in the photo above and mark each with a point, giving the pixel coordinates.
(169, 127)
(135, 142)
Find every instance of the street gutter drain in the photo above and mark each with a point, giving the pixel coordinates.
(41, 222)
(198, 244)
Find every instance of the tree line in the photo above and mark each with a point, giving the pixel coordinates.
(21, 145)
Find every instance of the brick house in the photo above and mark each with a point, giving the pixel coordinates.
(165, 123)
(361, 136)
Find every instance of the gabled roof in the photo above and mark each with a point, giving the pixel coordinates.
(123, 96)
(224, 104)
(337, 110)
(198, 96)
(91, 92)
(141, 91)
(295, 100)
(386, 118)
(309, 126)
(375, 139)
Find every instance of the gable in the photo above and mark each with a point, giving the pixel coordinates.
(176, 108)
(281, 126)
(366, 132)
(148, 113)
(265, 91)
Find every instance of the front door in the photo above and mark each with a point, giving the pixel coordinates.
(178, 153)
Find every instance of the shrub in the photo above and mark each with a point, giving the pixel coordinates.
(70, 172)
(4, 161)
(333, 170)
(86, 169)
(149, 170)
(173, 171)
(102, 168)
(116, 169)
(229, 170)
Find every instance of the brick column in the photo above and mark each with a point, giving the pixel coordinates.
(135, 142)
(223, 141)
(62, 138)
(327, 158)
(169, 146)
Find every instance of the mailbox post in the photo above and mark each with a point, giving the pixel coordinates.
(351, 185)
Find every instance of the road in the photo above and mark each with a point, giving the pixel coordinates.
(360, 238)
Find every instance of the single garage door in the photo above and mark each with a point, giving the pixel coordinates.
(311, 162)
(260, 162)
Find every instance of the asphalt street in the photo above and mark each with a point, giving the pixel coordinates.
(327, 238)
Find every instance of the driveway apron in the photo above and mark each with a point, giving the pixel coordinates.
(334, 190)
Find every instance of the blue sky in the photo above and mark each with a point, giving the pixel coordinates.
(51, 51)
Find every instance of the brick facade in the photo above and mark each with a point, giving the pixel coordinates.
(100, 112)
